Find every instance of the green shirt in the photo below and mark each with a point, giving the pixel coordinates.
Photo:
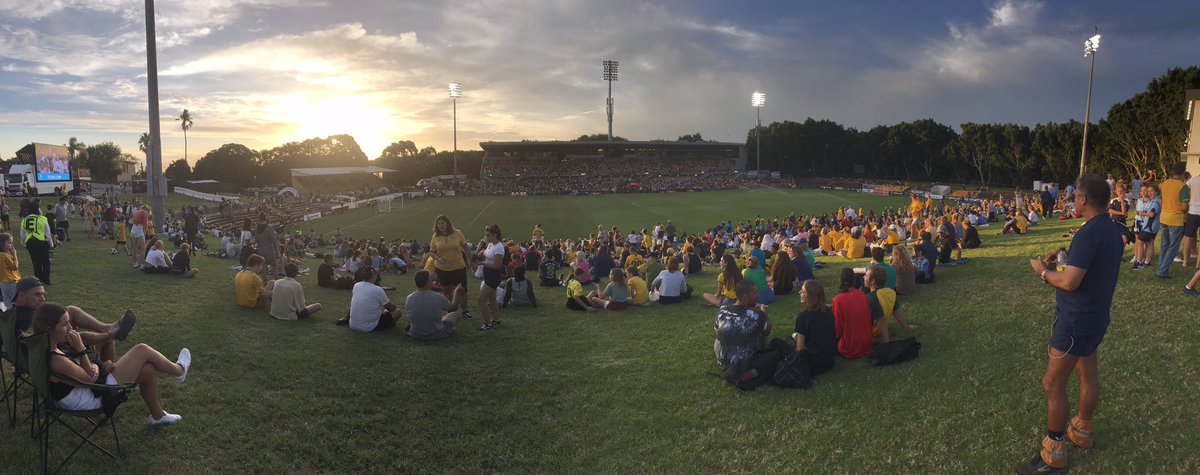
(759, 277)
(891, 274)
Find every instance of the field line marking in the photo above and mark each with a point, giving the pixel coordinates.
(838, 197)
(378, 215)
(777, 190)
(485, 208)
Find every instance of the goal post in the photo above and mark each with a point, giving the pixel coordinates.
(383, 206)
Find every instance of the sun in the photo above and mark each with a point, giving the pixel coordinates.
(368, 122)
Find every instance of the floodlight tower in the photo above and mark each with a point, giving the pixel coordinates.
(455, 93)
(610, 75)
(1089, 49)
(758, 100)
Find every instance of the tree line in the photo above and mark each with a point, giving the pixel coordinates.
(1145, 133)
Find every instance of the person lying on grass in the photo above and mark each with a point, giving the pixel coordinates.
(141, 365)
(102, 337)
(741, 328)
(883, 305)
(616, 295)
(249, 287)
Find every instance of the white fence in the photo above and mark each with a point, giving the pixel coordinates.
(204, 196)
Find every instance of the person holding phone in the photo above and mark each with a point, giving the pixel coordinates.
(1084, 294)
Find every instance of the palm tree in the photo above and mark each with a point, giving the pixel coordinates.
(76, 150)
(144, 144)
(185, 122)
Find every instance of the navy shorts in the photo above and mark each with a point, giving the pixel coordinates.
(1066, 340)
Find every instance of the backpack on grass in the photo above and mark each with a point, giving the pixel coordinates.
(893, 352)
(754, 371)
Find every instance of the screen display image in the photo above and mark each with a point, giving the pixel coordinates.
(52, 164)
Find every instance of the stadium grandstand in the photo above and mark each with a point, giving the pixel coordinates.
(587, 167)
(331, 180)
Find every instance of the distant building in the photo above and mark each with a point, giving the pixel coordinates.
(1191, 154)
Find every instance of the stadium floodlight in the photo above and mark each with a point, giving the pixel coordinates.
(610, 75)
(455, 93)
(1090, 47)
(758, 99)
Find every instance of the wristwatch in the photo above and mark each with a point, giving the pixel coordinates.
(1044, 275)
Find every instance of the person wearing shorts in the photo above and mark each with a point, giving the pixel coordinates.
(448, 250)
(1192, 220)
(617, 294)
(493, 274)
(1084, 295)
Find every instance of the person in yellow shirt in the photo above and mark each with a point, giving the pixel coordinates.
(538, 234)
(1174, 218)
(249, 287)
(634, 260)
(120, 234)
(448, 247)
(638, 287)
(727, 282)
(10, 269)
(882, 301)
(576, 299)
(854, 246)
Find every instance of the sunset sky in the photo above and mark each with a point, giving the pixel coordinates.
(263, 72)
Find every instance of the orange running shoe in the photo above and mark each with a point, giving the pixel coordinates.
(1051, 460)
(1081, 433)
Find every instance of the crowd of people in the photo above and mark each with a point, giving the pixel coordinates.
(587, 175)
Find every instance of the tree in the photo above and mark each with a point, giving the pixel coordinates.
(178, 171)
(690, 138)
(185, 122)
(1147, 132)
(144, 144)
(1057, 149)
(401, 149)
(104, 161)
(231, 163)
(1018, 160)
(599, 138)
(76, 152)
(978, 147)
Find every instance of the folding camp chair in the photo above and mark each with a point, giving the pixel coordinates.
(38, 351)
(11, 353)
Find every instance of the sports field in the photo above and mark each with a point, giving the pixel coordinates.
(557, 391)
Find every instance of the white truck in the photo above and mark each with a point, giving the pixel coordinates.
(48, 175)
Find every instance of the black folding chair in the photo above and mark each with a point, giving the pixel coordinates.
(11, 353)
(38, 351)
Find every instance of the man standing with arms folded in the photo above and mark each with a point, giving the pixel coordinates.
(1173, 219)
(1084, 295)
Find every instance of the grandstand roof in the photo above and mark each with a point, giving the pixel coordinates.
(592, 145)
(328, 171)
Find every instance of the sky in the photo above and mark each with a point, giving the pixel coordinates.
(265, 72)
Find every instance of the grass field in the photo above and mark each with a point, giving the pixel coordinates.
(633, 392)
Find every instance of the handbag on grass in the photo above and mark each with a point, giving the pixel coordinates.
(893, 352)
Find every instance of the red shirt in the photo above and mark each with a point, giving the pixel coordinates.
(141, 217)
(852, 321)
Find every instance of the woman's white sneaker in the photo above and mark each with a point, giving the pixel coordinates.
(185, 360)
(167, 419)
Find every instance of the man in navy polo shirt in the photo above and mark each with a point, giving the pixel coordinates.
(1084, 295)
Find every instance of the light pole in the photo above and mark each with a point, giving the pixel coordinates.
(758, 100)
(1089, 49)
(455, 93)
(610, 75)
(154, 178)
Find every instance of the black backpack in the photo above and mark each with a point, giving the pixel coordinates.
(893, 352)
(793, 372)
(753, 371)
